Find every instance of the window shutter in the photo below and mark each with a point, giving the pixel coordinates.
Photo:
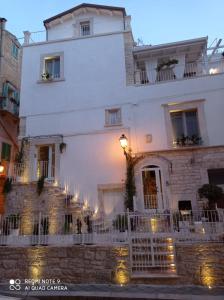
(6, 151)
(5, 89)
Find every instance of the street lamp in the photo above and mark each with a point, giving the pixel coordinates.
(124, 143)
(2, 168)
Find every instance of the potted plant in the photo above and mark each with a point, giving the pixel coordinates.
(185, 140)
(7, 186)
(13, 221)
(46, 76)
(212, 193)
(40, 185)
(121, 223)
(166, 65)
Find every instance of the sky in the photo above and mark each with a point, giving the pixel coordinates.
(153, 21)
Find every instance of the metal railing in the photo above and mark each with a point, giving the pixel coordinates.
(71, 228)
(191, 70)
(25, 172)
(44, 168)
(9, 105)
(151, 201)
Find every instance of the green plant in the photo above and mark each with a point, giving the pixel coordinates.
(45, 225)
(166, 64)
(211, 192)
(188, 140)
(7, 186)
(20, 154)
(13, 220)
(40, 185)
(121, 222)
(130, 188)
(46, 76)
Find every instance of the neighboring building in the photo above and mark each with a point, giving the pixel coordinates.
(10, 60)
(89, 83)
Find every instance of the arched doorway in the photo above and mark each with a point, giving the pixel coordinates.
(152, 187)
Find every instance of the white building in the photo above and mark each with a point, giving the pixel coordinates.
(88, 83)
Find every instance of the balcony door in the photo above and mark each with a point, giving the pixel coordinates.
(46, 161)
(152, 188)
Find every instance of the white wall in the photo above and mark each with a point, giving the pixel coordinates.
(94, 71)
(101, 24)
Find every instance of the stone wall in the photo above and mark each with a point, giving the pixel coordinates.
(199, 264)
(77, 264)
(24, 200)
(184, 171)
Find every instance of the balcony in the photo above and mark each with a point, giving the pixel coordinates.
(9, 105)
(190, 70)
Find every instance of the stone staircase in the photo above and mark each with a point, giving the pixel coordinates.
(152, 256)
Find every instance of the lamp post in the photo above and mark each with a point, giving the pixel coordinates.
(124, 143)
(129, 182)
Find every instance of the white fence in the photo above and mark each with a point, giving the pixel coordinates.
(68, 229)
(191, 70)
(25, 172)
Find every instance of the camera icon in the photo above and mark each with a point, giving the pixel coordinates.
(15, 284)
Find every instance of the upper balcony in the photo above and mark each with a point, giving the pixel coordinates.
(177, 61)
(10, 105)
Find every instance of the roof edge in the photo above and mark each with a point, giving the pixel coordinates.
(172, 44)
(97, 6)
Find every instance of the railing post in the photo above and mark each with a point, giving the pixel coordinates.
(39, 228)
(27, 35)
(129, 226)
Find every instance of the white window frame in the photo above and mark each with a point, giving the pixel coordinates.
(197, 105)
(77, 27)
(81, 25)
(46, 56)
(184, 120)
(107, 117)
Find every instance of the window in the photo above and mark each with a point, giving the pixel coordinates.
(14, 50)
(85, 28)
(185, 125)
(52, 67)
(6, 152)
(113, 117)
(216, 176)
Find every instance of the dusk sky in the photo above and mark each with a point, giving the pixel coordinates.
(153, 21)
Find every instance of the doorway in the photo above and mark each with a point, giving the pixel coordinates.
(46, 161)
(152, 188)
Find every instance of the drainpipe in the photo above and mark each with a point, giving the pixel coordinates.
(2, 28)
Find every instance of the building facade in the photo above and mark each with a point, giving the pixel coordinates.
(10, 63)
(88, 83)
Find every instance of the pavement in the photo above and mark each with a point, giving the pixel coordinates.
(109, 292)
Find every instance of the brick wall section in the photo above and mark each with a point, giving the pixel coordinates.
(77, 264)
(129, 59)
(11, 67)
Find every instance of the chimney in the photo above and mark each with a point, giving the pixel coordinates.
(2, 23)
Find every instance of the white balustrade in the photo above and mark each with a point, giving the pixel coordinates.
(182, 226)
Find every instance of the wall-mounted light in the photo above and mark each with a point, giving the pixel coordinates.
(2, 168)
(213, 71)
